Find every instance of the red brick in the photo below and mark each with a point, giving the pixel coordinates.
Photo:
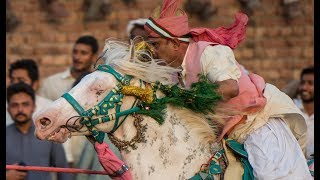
(299, 42)
(286, 73)
(72, 36)
(295, 51)
(272, 43)
(101, 25)
(273, 32)
(271, 53)
(286, 31)
(247, 53)
(260, 32)
(17, 39)
(60, 37)
(308, 52)
(309, 30)
(71, 27)
(298, 30)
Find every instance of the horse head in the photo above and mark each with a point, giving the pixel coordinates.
(61, 120)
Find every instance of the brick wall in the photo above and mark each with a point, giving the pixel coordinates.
(274, 48)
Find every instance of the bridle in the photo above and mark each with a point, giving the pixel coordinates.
(112, 100)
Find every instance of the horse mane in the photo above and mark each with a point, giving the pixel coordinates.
(127, 59)
(208, 127)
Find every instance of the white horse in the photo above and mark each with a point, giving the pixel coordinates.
(176, 149)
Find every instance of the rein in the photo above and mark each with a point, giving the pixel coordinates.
(112, 100)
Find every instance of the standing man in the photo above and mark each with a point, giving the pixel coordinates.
(21, 144)
(26, 70)
(262, 125)
(84, 54)
(305, 102)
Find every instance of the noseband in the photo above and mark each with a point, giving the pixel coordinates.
(112, 100)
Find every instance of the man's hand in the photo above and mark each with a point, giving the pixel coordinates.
(15, 175)
(228, 89)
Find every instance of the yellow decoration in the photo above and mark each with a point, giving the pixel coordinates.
(143, 45)
(146, 95)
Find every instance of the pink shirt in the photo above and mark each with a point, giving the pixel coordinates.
(250, 98)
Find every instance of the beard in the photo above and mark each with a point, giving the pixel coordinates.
(25, 120)
(306, 97)
(309, 100)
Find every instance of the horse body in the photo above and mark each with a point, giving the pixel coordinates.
(171, 150)
(174, 150)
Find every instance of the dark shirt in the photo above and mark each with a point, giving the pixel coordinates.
(34, 152)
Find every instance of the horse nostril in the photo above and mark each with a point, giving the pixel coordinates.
(45, 121)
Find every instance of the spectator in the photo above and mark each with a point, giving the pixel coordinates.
(21, 144)
(305, 101)
(26, 70)
(83, 56)
(136, 28)
(88, 158)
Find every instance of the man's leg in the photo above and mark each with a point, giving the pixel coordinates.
(274, 153)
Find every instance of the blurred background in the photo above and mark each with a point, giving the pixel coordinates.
(279, 43)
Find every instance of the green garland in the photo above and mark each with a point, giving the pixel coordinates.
(202, 97)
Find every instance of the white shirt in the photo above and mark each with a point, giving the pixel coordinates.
(56, 85)
(218, 62)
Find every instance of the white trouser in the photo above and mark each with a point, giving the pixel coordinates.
(274, 153)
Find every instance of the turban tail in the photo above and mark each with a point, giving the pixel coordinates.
(170, 25)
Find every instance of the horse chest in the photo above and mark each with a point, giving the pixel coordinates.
(171, 153)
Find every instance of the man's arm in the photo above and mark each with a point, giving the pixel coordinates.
(228, 89)
(219, 64)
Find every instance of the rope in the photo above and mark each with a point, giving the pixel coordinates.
(54, 169)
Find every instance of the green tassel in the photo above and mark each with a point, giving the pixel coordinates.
(201, 98)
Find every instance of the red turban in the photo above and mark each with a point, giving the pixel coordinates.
(171, 25)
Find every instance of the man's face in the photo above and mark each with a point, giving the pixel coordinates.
(21, 107)
(306, 88)
(165, 49)
(82, 57)
(20, 75)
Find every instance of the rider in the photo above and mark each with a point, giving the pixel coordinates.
(266, 112)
